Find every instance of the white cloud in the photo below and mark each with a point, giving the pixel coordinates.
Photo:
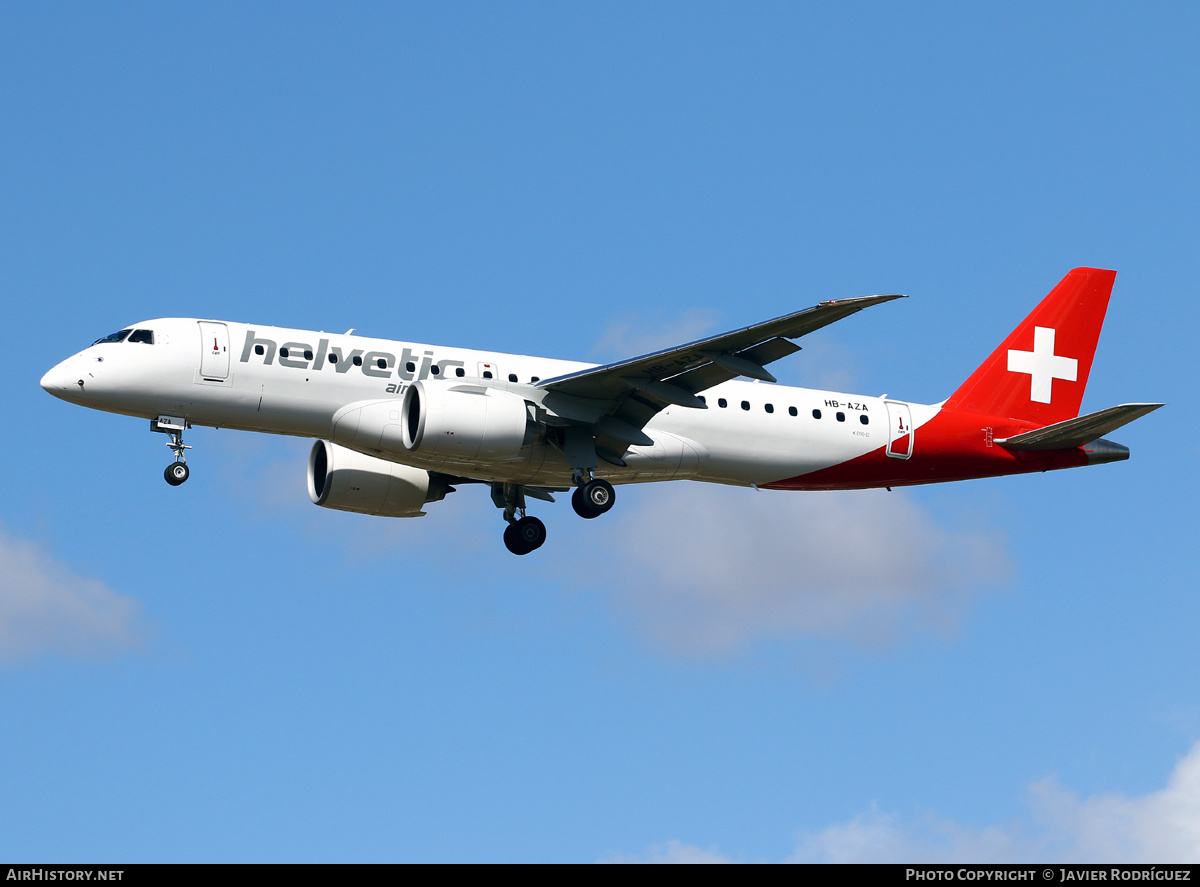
(674, 852)
(705, 569)
(875, 836)
(823, 364)
(45, 608)
(634, 335)
(1162, 827)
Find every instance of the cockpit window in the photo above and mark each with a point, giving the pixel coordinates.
(146, 336)
(115, 337)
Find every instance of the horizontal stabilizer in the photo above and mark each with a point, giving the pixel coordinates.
(1079, 431)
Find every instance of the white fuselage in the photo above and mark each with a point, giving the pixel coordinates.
(287, 381)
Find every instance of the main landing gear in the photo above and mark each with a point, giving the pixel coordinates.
(525, 533)
(593, 498)
(177, 472)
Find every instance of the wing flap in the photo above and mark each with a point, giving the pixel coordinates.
(1080, 430)
(704, 377)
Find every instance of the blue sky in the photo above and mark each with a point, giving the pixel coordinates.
(225, 672)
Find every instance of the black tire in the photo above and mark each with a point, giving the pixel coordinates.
(531, 532)
(581, 506)
(598, 495)
(176, 473)
(526, 535)
(512, 541)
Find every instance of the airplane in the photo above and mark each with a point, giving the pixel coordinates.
(399, 425)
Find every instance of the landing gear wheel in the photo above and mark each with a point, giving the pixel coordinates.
(593, 498)
(525, 535)
(511, 542)
(176, 473)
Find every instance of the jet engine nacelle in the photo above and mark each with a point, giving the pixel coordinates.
(349, 481)
(463, 422)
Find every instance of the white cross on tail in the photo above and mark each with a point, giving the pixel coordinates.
(1042, 364)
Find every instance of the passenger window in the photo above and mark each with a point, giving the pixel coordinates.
(411, 367)
(792, 411)
(816, 414)
(283, 352)
(841, 417)
(745, 404)
(144, 336)
(357, 360)
(460, 372)
(307, 354)
(435, 369)
(512, 377)
(864, 419)
(722, 402)
(114, 337)
(381, 363)
(258, 349)
(700, 398)
(535, 379)
(770, 407)
(487, 374)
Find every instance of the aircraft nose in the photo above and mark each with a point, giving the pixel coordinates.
(52, 381)
(61, 380)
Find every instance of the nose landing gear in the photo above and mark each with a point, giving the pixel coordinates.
(177, 472)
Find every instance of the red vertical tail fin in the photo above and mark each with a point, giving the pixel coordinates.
(1040, 371)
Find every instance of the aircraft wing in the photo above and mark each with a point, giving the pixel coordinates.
(1080, 430)
(698, 365)
(624, 396)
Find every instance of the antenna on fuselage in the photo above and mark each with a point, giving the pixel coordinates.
(351, 330)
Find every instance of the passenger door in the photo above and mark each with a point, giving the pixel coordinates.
(214, 351)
